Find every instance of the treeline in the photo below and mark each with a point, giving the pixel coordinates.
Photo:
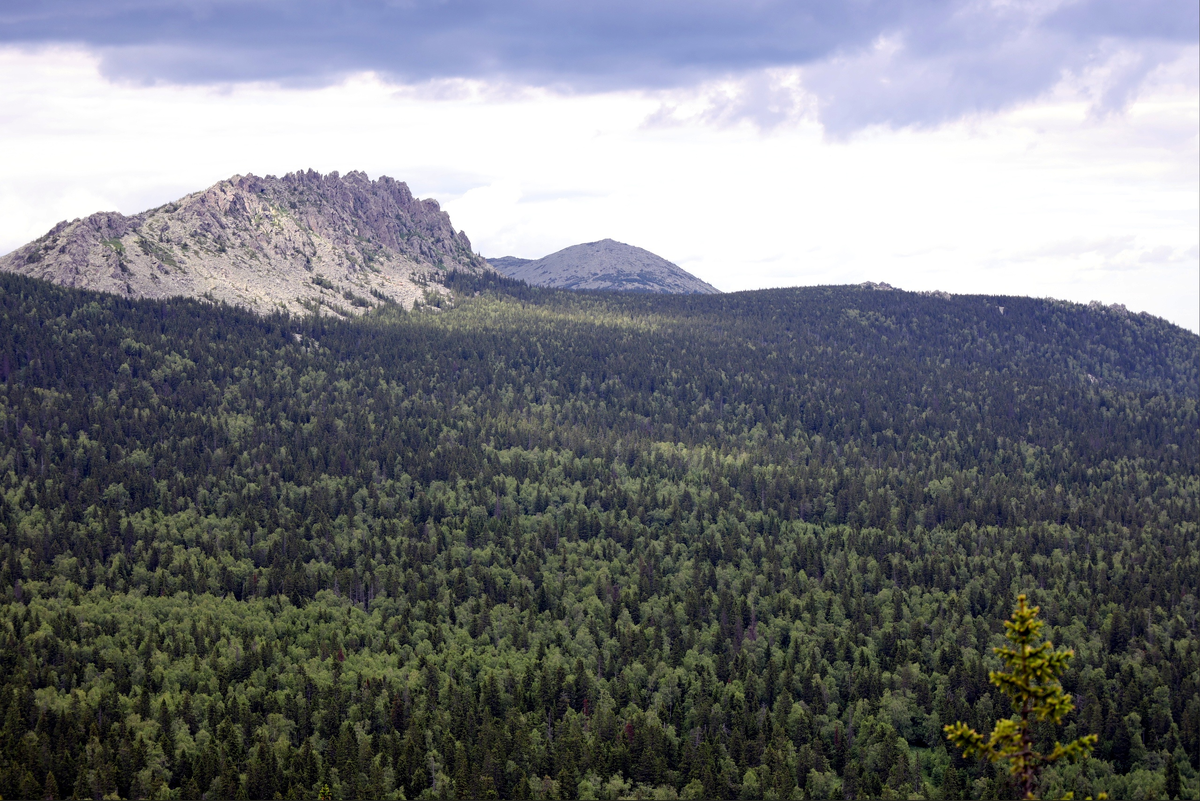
(546, 544)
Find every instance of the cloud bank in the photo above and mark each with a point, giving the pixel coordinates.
(860, 63)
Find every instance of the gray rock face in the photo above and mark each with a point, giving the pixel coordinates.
(606, 265)
(302, 241)
(508, 264)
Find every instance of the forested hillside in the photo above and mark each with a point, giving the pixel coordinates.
(551, 545)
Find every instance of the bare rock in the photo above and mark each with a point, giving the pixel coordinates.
(303, 241)
(607, 265)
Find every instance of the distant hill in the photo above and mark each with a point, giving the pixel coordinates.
(509, 264)
(606, 264)
(301, 241)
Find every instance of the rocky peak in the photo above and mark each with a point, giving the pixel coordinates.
(604, 265)
(302, 241)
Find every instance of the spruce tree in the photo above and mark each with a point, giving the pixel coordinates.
(1036, 693)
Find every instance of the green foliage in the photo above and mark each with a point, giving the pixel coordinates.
(543, 543)
(1037, 694)
(155, 249)
(357, 301)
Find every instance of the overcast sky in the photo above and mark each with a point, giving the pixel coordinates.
(1031, 148)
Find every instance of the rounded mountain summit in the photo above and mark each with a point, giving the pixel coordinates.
(604, 265)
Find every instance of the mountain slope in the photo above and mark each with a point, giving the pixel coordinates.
(507, 265)
(607, 265)
(612, 538)
(303, 240)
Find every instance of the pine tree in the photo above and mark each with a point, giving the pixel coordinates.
(1173, 784)
(51, 786)
(1036, 694)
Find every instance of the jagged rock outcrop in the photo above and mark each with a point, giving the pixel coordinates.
(303, 241)
(606, 264)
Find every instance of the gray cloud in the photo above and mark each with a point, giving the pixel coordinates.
(988, 56)
(892, 62)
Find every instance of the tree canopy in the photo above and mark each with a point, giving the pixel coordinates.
(540, 544)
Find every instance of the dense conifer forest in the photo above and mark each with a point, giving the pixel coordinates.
(537, 544)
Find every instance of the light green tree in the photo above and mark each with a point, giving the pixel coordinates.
(1036, 693)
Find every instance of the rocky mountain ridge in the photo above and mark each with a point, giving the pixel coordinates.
(604, 265)
(305, 241)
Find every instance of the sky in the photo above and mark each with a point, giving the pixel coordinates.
(1023, 147)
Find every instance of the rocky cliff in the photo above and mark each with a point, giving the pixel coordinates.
(303, 241)
(607, 265)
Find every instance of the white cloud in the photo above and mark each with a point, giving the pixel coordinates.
(1047, 198)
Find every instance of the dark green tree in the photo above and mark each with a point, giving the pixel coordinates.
(1173, 786)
